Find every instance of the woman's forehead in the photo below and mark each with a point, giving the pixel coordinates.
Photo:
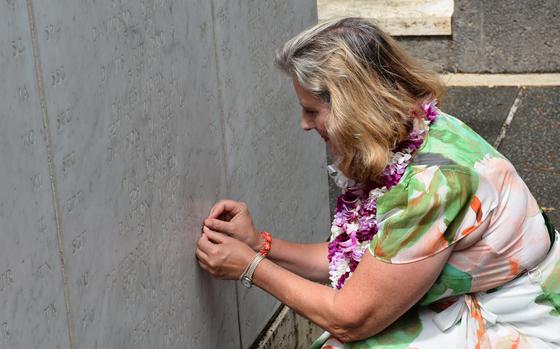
(305, 97)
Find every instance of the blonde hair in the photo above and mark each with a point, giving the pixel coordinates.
(373, 87)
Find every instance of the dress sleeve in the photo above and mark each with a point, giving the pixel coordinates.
(422, 216)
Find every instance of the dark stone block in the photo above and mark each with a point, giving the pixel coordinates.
(484, 109)
(506, 36)
(521, 37)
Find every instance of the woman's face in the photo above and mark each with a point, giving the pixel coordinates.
(314, 112)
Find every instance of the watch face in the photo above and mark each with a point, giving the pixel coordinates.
(246, 282)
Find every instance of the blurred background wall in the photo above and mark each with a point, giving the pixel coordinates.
(122, 122)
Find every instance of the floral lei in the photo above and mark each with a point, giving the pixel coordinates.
(354, 223)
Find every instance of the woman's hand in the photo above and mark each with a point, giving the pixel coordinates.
(233, 218)
(221, 255)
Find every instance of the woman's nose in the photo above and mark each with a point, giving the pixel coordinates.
(306, 124)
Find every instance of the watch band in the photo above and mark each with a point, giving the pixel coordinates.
(247, 276)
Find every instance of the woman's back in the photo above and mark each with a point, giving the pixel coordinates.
(461, 193)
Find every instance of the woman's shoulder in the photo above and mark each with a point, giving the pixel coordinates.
(452, 142)
(452, 150)
(464, 159)
(423, 214)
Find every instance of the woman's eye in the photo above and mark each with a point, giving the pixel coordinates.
(310, 112)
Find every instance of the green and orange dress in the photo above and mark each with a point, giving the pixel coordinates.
(500, 287)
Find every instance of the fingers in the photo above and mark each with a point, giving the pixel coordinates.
(213, 236)
(204, 266)
(207, 263)
(224, 207)
(205, 245)
(218, 225)
(221, 255)
(218, 208)
(201, 256)
(209, 239)
(203, 259)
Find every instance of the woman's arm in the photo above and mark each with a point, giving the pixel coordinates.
(307, 260)
(375, 296)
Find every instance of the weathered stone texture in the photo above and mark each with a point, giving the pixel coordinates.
(495, 37)
(156, 109)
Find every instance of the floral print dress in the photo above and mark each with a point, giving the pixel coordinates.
(500, 287)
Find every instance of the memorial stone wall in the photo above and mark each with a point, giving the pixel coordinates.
(122, 122)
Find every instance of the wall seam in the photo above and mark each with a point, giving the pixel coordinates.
(49, 150)
(224, 140)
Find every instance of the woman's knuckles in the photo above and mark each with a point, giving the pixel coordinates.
(211, 223)
(214, 252)
(212, 264)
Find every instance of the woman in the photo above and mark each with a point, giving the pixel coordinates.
(436, 241)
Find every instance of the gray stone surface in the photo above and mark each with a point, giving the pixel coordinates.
(268, 156)
(31, 294)
(138, 153)
(531, 145)
(484, 109)
(156, 109)
(496, 37)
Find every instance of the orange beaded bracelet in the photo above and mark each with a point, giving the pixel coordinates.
(266, 243)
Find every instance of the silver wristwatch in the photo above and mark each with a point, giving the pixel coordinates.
(247, 275)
